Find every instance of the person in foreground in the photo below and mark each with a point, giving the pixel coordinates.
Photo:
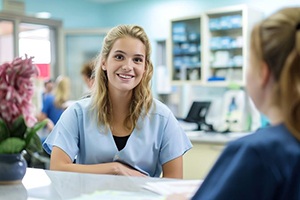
(265, 164)
(121, 129)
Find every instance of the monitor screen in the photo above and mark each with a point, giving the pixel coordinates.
(198, 112)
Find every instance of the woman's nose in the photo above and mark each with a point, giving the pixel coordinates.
(127, 66)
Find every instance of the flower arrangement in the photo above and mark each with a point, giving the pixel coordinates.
(18, 125)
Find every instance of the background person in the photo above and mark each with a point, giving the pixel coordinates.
(54, 104)
(48, 87)
(121, 129)
(87, 73)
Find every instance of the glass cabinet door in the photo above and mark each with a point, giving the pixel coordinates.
(226, 46)
(186, 49)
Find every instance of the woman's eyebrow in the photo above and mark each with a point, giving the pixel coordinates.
(140, 55)
(137, 54)
(119, 51)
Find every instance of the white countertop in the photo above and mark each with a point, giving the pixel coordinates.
(45, 184)
(215, 138)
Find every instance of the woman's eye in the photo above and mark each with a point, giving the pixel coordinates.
(138, 60)
(119, 57)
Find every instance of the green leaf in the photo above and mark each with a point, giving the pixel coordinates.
(32, 140)
(12, 145)
(39, 125)
(35, 144)
(18, 127)
(4, 132)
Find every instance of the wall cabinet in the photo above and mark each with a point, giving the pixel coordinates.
(186, 49)
(214, 47)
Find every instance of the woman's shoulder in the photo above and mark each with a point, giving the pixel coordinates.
(159, 108)
(268, 139)
(82, 104)
(49, 97)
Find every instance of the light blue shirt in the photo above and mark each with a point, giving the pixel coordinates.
(157, 139)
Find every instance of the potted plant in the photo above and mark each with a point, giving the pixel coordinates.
(18, 126)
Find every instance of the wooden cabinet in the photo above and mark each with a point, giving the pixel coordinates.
(213, 48)
(198, 161)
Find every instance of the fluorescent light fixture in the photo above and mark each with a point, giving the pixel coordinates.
(44, 15)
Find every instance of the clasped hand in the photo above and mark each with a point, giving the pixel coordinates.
(126, 170)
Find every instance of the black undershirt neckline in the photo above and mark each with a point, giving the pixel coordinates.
(120, 141)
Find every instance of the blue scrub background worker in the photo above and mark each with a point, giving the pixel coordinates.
(55, 103)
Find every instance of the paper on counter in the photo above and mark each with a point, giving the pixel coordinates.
(165, 188)
(118, 195)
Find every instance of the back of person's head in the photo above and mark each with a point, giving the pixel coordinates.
(276, 41)
(61, 91)
(142, 96)
(49, 85)
(87, 71)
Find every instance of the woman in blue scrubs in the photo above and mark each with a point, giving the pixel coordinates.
(121, 129)
(54, 104)
(265, 165)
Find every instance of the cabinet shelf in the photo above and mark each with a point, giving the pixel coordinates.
(226, 67)
(187, 67)
(187, 41)
(187, 54)
(226, 30)
(228, 49)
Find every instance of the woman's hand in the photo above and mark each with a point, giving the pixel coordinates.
(50, 125)
(177, 197)
(61, 161)
(123, 169)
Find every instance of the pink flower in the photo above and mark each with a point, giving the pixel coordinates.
(16, 90)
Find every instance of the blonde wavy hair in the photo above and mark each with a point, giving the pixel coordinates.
(142, 97)
(276, 40)
(61, 91)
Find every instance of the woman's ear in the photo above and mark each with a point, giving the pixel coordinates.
(265, 74)
(103, 65)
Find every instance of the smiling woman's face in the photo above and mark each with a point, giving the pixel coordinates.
(125, 64)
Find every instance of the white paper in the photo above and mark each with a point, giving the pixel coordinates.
(118, 195)
(165, 188)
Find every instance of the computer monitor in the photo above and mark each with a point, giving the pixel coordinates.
(197, 113)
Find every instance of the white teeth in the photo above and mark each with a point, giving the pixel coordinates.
(124, 76)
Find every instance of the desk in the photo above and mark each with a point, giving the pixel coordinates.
(213, 137)
(207, 146)
(45, 184)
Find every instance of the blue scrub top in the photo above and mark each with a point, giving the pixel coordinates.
(49, 108)
(157, 139)
(263, 165)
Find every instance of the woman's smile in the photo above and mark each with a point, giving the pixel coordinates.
(125, 76)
